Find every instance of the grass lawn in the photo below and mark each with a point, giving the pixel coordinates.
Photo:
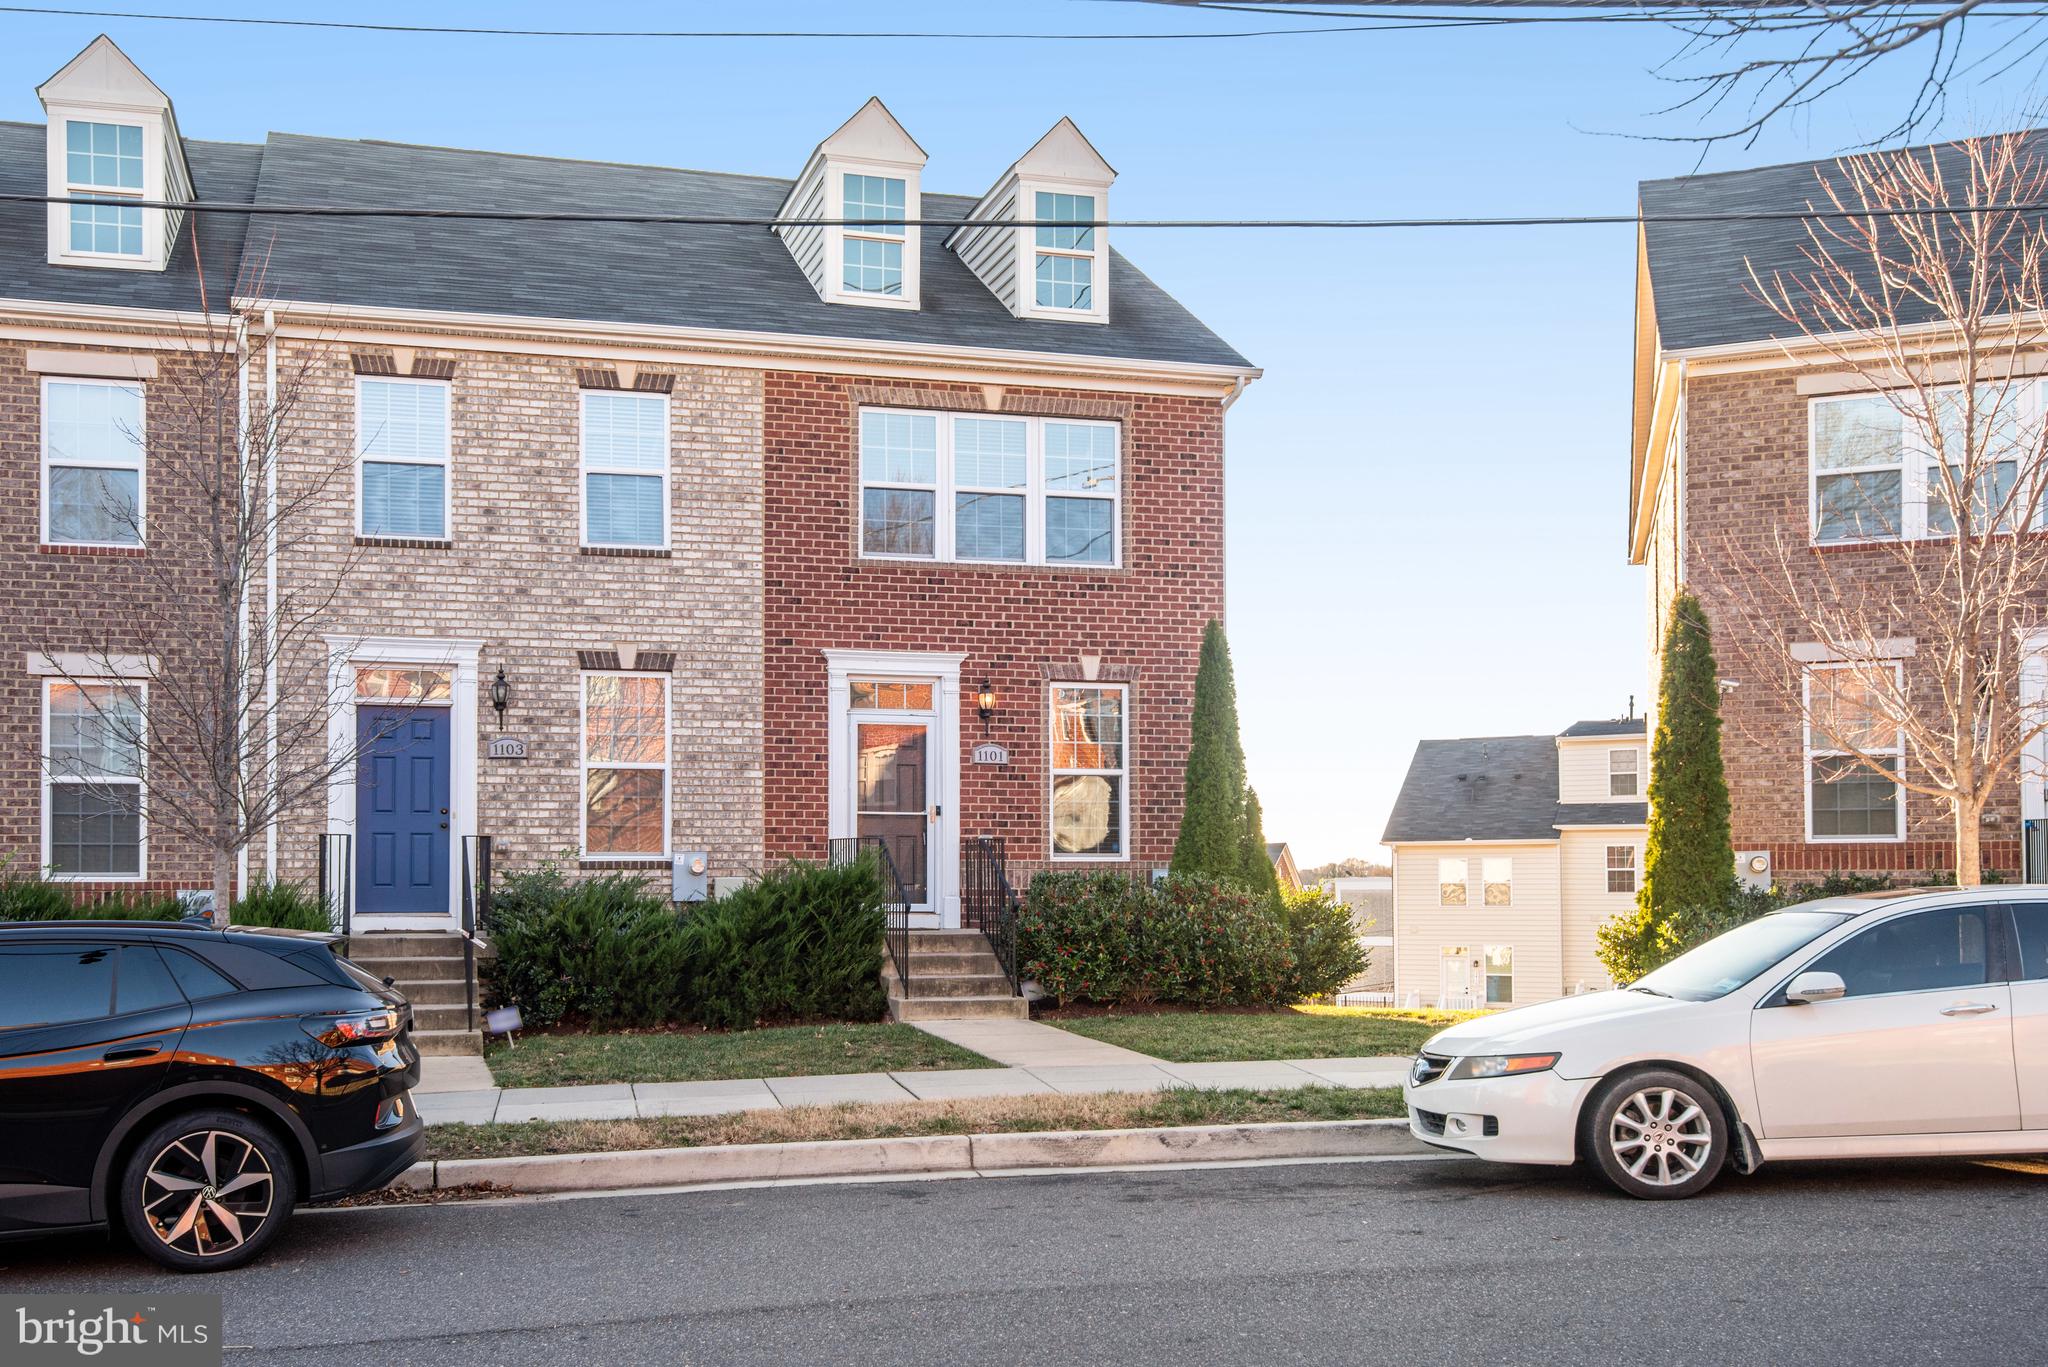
(991, 1115)
(1292, 1032)
(779, 1051)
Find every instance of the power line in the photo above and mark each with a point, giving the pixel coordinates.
(347, 211)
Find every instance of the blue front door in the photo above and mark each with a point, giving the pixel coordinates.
(401, 810)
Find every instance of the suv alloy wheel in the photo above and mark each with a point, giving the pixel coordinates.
(207, 1190)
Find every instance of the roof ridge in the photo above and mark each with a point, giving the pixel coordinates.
(1836, 158)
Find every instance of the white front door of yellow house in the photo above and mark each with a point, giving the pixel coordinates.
(1461, 978)
(892, 797)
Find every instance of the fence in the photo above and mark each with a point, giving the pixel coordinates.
(337, 879)
(987, 901)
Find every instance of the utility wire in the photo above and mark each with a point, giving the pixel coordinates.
(346, 211)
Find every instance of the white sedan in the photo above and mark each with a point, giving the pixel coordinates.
(1893, 1024)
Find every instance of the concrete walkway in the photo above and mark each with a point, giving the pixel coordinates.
(626, 1101)
(1028, 1044)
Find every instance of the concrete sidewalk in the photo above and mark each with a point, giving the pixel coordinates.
(442, 1104)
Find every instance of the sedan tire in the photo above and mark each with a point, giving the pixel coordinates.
(1656, 1134)
(206, 1191)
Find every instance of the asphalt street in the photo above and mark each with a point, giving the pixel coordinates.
(1409, 1261)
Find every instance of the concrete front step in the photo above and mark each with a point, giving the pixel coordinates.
(411, 970)
(435, 991)
(380, 944)
(960, 985)
(939, 965)
(958, 1008)
(445, 1042)
(440, 1017)
(947, 941)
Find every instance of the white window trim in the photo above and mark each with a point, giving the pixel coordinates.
(1034, 493)
(1914, 460)
(1635, 773)
(1634, 870)
(1053, 775)
(1485, 882)
(1811, 753)
(584, 469)
(1028, 250)
(155, 249)
(140, 465)
(1442, 882)
(446, 462)
(1487, 975)
(836, 171)
(49, 781)
(584, 766)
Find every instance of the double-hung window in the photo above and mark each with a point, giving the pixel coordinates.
(402, 432)
(1624, 776)
(94, 485)
(871, 250)
(1498, 876)
(103, 163)
(1090, 771)
(1621, 868)
(625, 766)
(92, 779)
(1500, 974)
(1875, 475)
(944, 486)
(625, 470)
(1450, 882)
(1064, 266)
(1849, 716)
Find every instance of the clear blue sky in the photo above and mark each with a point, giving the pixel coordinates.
(1426, 512)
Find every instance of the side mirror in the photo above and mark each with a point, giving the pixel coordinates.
(1808, 988)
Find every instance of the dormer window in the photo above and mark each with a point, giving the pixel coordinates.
(104, 160)
(1054, 262)
(1066, 256)
(847, 218)
(873, 257)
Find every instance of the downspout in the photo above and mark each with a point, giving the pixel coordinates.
(270, 572)
(241, 345)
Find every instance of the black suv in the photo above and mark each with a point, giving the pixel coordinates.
(192, 1085)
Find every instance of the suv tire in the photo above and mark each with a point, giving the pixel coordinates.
(1656, 1134)
(207, 1190)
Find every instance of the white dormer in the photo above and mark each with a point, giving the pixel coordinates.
(868, 170)
(1047, 271)
(112, 136)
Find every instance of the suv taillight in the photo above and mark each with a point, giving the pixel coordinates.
(338, 1032)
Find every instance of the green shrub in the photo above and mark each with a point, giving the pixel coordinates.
(1325, 946)
(608, 950)
(1189, 940)
(284, 906)
(40, 899)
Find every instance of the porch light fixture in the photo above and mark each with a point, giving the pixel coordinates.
(501, 694)
(985, 704)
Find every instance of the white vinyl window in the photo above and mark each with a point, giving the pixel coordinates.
(1621, 868)
(1500, 974)
(1498, 877)
(1624, 773)
(1064, 257)
(402, 469)
(872, 252)
(944, 486)
(625, 470)
(104, 161)
(625, 766)
(1874, 477)
(1845, 798)
(95, 486)
(1091, 816)
(93, 811)
(1451, 875)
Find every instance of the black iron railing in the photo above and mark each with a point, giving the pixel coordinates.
(476, 910)
(987, 901)
(337, 878)
(895, 901)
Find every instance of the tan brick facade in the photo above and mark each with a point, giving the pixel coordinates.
(1743, 480)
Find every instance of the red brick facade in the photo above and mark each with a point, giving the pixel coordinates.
(1745, 475)
(1023, 628)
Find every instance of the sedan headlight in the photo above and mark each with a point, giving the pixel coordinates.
(1501, 1065)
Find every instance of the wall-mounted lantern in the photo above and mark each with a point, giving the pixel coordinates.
(985, 704)
(501, 694)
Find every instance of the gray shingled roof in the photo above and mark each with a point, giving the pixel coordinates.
(220, 170)
(1700, 272)
(1621, 726)
(737, 279)
(1601, 814)
(1489, 788)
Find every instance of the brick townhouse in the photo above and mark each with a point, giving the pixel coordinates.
(653, 541)
(1737, 437)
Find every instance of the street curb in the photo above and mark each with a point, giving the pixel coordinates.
(919, 1155)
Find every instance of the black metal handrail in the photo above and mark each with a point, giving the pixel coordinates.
(476, 910)
(988, 903)
(337, 875)
(895, 901)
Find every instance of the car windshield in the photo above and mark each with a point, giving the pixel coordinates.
(1727, 961)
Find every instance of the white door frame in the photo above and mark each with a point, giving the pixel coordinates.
(942, 669)
(459, 657)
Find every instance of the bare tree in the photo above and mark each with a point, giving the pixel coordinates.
(1902, 657)
(188, 699)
